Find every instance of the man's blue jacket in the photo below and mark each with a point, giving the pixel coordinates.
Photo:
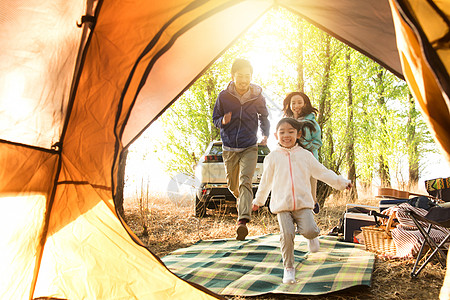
(241, 131)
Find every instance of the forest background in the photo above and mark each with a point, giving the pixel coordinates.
(372, 131)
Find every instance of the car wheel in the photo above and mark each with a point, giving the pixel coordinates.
(200, 208)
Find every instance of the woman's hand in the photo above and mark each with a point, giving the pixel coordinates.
(255, 207)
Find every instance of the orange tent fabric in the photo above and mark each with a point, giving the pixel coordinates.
(423, 40)
(425, 59)
(72, 98)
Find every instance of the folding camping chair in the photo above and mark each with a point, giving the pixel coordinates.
(436, 216)
(439, 188)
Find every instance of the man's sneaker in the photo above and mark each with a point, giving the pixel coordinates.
(242, 230)
(316, 208)
(313, 245)
(289, 275)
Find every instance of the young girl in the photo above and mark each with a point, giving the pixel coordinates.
(287, 172)
(298, 106)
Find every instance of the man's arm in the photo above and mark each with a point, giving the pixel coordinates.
(263, 141)
(218, 113)
(264, 122)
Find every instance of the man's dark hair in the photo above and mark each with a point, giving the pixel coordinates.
(240, 63)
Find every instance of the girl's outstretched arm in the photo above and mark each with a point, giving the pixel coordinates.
(321, 173)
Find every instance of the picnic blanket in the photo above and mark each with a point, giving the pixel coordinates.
(254, 266)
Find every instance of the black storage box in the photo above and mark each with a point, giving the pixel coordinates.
(354, 220)
(386, 203)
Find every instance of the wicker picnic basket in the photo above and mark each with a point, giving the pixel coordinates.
(378, 238)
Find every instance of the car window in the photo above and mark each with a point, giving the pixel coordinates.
(216, 149)
(263, 150)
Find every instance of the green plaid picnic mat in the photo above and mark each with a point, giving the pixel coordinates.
(254, 266)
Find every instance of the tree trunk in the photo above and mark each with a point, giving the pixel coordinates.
(324, 102)
(323, 190)
(382, 164)
(351, 164)
(413, 153)
(121, 183)
(384, 172)
(300, 69)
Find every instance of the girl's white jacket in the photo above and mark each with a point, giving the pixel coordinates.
(287, 174)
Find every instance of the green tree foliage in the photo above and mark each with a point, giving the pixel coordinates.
(378, 128)
(370, 130)
(187, 123)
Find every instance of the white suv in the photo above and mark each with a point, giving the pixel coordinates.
(210, 170)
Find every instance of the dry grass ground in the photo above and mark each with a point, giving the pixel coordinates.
(166, 225)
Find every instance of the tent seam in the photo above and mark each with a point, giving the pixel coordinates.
(432, 59)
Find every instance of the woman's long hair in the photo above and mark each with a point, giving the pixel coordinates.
(307, 109)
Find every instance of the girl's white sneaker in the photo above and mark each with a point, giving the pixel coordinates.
(313, 245)
(289, 275)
